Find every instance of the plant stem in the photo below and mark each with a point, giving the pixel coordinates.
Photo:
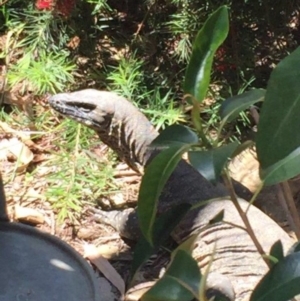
(198, 125)
(243, 215)
(258, 190)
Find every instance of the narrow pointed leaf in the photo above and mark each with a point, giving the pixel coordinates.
(233, 106)
(156, 175)
(174, 135)
(180, 282)
(281, 283)
(217, 218)
(278, 130)
(211, 163)
(188, 245)
(209, 38)
(282, 170)
(243, 146)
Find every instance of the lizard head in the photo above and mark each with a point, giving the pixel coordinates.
(92, 108)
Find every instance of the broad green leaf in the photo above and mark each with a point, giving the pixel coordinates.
(156, 175)
(281, 283)
(180, 282)
(209, 38)
(277, 250)
(278, 130)
(282, 170)
(175, 135)
(233, 106)
(162, 228)
(210, 163)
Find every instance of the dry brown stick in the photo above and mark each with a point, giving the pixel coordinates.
(292, 207)
(3, 2)
(125, 173)
(283, 204)
(140, 25)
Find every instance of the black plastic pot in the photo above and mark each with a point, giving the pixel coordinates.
(36, 266)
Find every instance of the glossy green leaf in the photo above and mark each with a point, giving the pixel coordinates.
(217, 218)
(176, 135)
(180, 282)
(156, 175)
(209, 38)
(281, 283)
(211, 163)
(233, 106)
(282, 170)
(277, 251)
(162, 228)
(278, 130)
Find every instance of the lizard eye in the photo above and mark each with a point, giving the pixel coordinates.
(84, 107)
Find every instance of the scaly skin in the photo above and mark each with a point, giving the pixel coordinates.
(126, 130)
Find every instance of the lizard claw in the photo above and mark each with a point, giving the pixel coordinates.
(125, 221)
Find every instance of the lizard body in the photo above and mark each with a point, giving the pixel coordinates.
(126, 130)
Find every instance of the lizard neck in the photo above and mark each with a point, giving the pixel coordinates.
(129, 134)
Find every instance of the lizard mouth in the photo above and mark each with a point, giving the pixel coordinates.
(73, 109)
(85, 113)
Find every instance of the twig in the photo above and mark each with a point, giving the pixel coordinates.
(140, 25)
(258, 190)
(3, 2)
(243, 215)
(125, 173)
(292, 207)
(283, 204)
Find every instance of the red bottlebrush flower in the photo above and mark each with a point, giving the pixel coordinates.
(221, 52)
(44, 4)
(65, 7)
(222, 67)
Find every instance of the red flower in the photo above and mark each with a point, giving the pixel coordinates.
(44, 4)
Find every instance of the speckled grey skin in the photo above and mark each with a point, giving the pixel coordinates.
(125, 129)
